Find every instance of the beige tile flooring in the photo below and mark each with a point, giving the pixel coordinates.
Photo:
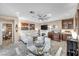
(7, 43)
(11, 50)
(55, 46)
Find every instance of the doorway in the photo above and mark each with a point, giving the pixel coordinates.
(7, 34)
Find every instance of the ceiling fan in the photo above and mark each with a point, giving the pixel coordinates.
(40, 16)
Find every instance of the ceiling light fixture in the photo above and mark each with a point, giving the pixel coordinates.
(41, 17)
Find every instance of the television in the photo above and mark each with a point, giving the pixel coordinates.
(44, 27)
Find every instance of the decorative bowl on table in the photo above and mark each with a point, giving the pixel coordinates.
(40, 51)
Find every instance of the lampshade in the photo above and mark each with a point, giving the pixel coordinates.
(74, 34)
(36, 29)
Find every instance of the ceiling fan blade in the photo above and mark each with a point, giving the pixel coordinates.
(45, 16)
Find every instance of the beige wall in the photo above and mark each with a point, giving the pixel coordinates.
(38, 25)
(57, 23)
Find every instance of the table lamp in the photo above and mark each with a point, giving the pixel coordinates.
(74, 34)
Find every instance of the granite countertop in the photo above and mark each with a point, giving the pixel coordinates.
(73, 40)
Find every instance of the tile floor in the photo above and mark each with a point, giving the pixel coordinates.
(55, 46)
(20, 49)
(11, 50)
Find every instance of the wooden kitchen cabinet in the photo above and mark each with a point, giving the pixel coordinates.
(67, 24)
(50, 35)
(55, 36)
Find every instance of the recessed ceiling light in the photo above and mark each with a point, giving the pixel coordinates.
(49, 15)
(32, 12)
(40, 20)
(17, 14)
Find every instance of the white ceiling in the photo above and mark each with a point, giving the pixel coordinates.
(57, 10)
